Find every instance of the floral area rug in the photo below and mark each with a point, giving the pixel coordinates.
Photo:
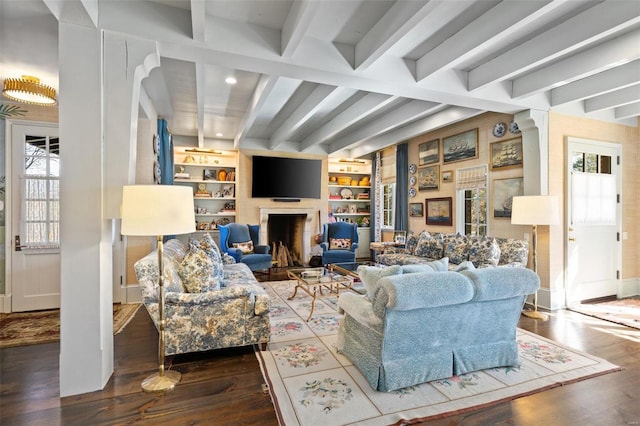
(311, 384)
(622, 311)
(31, 328)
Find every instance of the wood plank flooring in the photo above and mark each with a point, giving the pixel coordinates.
(224, 387)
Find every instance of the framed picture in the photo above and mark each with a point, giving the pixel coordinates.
(506, 154)
(428, 177)
(209, 174)
(447, 176)
(228, 191)
(503, 192)
(439, 211)
(399, 237)
(416, 209)
(429, 152)
(462, 146)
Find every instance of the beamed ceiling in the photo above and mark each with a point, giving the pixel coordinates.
(353, 76)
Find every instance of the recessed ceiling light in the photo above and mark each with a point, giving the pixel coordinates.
(219, 134)
(230, 80)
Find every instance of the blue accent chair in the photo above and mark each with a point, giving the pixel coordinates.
(339, 230)
(241, 233)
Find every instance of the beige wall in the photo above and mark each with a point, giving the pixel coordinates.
(563, 126)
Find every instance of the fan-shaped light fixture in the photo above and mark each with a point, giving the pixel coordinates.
(28, 89)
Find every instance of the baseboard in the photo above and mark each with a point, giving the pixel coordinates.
(630, 287)
(134, 294)
(5, 303)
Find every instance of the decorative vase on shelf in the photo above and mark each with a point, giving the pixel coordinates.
(222, 175)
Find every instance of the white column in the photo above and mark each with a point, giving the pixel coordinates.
(86, 344)
(534, 126)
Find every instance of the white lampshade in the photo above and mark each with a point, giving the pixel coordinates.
(157, 210)
(535, 210)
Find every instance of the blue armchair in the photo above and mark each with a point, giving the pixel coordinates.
(339, 242)
(240, 241)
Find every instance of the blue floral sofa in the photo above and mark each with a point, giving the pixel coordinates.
(481, 251)
(210, 301)
(416, 327)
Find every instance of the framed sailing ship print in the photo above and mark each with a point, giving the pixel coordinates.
(506, 154)
(462, 146)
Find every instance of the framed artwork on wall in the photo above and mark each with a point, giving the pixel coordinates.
(460, 147)
(503, 192)
(429, 152)
(447, 176)
(428, 178)
(439, 211)
(506, 154)
(416, 209)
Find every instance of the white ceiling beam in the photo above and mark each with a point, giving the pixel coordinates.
(627, 111)
(79, 12)
(598, 84)
(364, 107)
(398, 22)
(303, 113)
(200, 97)
(588, 27)
(198, 18)
(445, 117)
(258, 99)
(614, 99)
(499, 23)
(600, 58)
(399, 117)
(296, 25)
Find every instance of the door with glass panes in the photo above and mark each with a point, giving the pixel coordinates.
(35, 217)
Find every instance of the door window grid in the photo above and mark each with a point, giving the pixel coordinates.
(472, 197)
(41, 194)
(388, 204)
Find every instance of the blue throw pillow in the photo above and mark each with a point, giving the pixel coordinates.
(370, 275)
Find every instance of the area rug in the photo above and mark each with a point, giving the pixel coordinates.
(311, 384)
(623, 311)
(31, 328)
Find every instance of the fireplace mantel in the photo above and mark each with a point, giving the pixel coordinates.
(307, 232)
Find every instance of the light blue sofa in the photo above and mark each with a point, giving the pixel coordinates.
(426, 326)
(237, 314)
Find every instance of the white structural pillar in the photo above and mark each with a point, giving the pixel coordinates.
(86, 324)
(534, 126)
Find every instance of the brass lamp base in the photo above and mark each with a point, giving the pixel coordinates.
(536, 315)
(157, 383)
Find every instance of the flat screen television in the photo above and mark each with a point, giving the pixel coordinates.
(286, 179)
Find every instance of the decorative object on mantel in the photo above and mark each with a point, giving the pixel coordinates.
(28, 89)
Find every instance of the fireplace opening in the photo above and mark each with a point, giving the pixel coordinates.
(285, 237)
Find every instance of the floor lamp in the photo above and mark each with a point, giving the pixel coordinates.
(158, 210)
(535, 210)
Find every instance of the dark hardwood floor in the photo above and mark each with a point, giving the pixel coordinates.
(224, 387)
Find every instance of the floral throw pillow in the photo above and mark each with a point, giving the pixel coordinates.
(484, 252)
(456, 248)
(513, 251)
(245, 248)
(430, 247)
(196, 270)
(370, 275)
(339, 243)
(209, 246)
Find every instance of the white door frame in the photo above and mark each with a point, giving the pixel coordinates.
(567, 193)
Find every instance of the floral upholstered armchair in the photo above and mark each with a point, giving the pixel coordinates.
(231, 310)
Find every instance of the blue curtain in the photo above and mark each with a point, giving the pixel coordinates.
(402, 183)
(373, 195)
(165, 153)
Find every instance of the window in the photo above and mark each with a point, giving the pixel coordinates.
(388, 205)
(41, 211)
(472, 200)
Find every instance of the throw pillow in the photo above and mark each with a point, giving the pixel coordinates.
(209, 246)
(513, 251)
(464, 266)
(441, 265)
(412, 242)
(339, 243)
(456, 248)
(196, 270)
(370, 275)
(245, 248)
(484, 252)
(430, 247)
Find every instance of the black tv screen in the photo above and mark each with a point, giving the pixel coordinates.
(286, 178)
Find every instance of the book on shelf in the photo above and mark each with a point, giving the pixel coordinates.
(182, 176)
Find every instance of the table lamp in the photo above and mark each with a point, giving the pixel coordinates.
(158, 210)
(535, 210)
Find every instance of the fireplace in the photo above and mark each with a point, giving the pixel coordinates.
(292, 226)
(284, 235)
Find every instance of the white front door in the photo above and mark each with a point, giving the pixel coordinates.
(593, 219)
(35, 254)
